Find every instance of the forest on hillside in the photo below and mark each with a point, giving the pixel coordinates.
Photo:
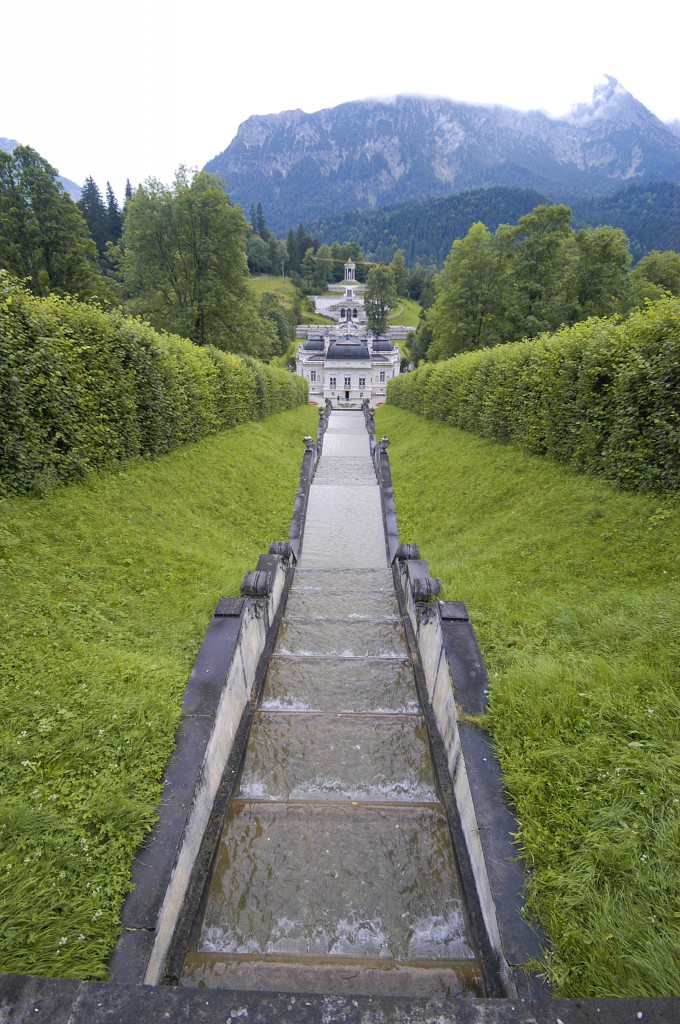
(648, 213)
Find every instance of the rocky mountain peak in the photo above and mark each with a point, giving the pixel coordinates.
(611, 103)
(367, 154)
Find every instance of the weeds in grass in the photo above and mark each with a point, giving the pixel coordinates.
(573, 589)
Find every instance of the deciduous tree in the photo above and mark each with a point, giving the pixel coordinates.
(185, 264)
(43, 235)
(542, 254)
(661, 269)
(603, 260)
(470, 309)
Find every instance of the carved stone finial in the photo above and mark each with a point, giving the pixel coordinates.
(257, 584)
(425, 589)
(309, 443)
(406, 551)
(281, 548)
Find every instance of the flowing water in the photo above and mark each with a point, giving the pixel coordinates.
(335, 869)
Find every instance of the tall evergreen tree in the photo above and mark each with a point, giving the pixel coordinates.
(380, 297)
(260, 223)
(294, 256)
(114, 220)
(94, 211)
(400, 272)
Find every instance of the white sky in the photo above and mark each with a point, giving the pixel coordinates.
(133, 88)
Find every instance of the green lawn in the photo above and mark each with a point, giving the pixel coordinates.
(574, 592)
(283, 287)
(108, 588)
(408, 316)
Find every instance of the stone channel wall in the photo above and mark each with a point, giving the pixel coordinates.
(222, 689)
(454, 686)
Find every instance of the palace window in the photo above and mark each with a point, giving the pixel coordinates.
(312, 375)
(348, 382)
(362, 382)
(333, 382)
(382, 376)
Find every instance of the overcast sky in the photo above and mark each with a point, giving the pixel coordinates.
(134, 88)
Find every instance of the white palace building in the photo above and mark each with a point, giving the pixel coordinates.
(344, 362)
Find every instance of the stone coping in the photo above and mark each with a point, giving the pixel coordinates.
(60, 1001)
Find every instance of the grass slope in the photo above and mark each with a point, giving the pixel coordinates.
(573, 589)
(408, 315)
(108, 588)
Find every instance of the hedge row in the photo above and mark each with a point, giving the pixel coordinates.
(603, 396)
(81, 388)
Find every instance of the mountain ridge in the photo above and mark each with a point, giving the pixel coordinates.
(367, 154)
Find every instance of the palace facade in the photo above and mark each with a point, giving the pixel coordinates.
(346, 363)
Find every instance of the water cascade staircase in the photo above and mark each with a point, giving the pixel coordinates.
(333, 844)
(335, 870)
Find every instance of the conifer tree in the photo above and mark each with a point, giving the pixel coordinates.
(92, 206)
(380, 297)
(114, 220)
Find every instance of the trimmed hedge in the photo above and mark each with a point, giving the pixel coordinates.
(81, 388)
(603, 396)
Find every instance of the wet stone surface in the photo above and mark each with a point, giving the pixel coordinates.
(335, 870)
(344, 528)
(342, 580)
(355, 757)
(343, 639)
(350, 686)
(335, 880)
(352, 606)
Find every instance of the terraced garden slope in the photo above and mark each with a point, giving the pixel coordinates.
(108, 586)
(574, 590)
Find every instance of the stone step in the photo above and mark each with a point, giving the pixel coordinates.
(342, 639)
(328, 879)
(355, 607)
(329, 469)
(342, 580)
(345, 976)
(331, 476)
(346, 445)
(338, 757)
(351, 686)
(344, 528)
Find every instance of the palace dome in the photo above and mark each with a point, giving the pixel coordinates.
(347, 348)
